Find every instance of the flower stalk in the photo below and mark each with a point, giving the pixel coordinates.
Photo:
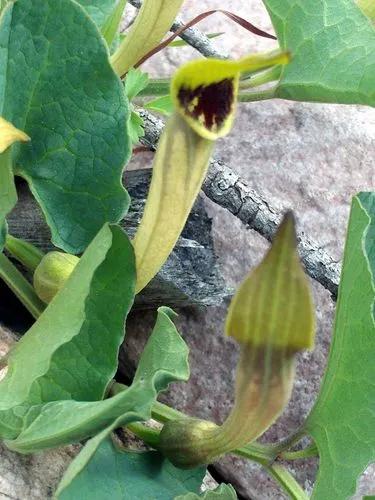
(153, 21)
(26, 253)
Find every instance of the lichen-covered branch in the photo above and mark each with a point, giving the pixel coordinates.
(227, 189)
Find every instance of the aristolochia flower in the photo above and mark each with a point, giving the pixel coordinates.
(271, 316)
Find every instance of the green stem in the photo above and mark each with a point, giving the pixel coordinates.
(20, 286)
(156, 87)
(287, 481)
(163, 413)
(263, 454)
(270, 75)
(309, 451)
(148, 435)
(260, 95)
(24, 252)
(290, 441)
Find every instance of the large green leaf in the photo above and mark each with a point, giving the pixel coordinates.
(99, 10)
(163, 360)
(61, 422)
(333, 47)
(114, 475)
(223, 492)
(57, 85)
(342, 422)
(71, 351)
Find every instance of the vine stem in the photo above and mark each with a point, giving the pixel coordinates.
(308, 452)
(290, 441)
(20, 286)
(263, 454)
(270, 75)
(287, 481)
(148, 435)
(24, 252)
(260, 95)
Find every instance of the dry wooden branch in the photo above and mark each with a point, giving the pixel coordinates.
(190, 276)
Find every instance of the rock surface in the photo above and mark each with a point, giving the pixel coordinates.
(308, 157)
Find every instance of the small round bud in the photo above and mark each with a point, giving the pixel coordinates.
(183, 442)
(51, 274)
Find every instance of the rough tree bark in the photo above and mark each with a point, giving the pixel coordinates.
(190, 276)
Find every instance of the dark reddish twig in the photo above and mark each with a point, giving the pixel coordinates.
(234, 17)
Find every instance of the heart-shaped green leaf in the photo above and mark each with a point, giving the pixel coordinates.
(114, 475)
(342, 422)
(62, 422)
(99, 10)
(57, 85)
(163, 360)
(333, 50)
(223, 492)
(71, 351)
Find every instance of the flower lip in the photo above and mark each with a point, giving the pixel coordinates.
(209, 104)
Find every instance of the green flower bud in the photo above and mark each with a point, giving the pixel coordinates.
(179, 438)
(52, 273)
